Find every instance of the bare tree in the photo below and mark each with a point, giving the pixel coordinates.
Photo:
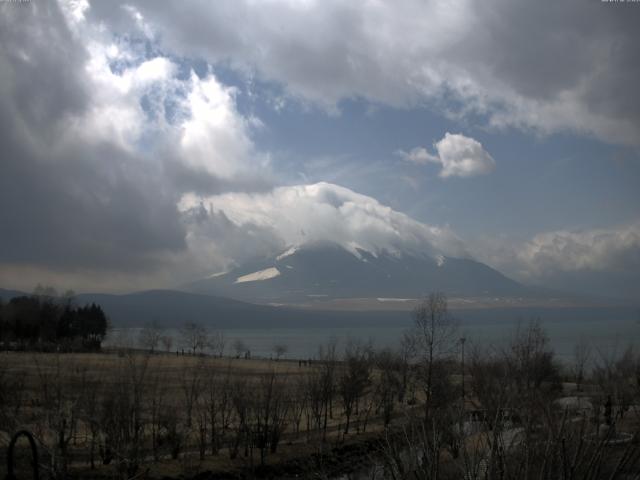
(531, 360)
(194, 336)
(328, 362)
(406, 355)
(388, 383)
(434, 333)
(202, 411)
(157, 404)
(218, 399)
(581, 357)
(617, 375)
(299, 398)
(354, 378)
(167, 342)
(217, 343)
(61, 407)
(268, 413)
(173, 431)
(191, 380)
(150, 336)
(123, 416)
(239, 347)
(316, 392)
(240, 400)
(89, 409)
(12, 392)
(280, 349)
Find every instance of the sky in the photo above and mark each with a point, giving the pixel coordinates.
(147, 144)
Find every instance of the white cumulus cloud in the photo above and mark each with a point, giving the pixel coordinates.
(459, 156)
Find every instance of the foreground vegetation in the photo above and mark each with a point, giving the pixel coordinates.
(427, 410)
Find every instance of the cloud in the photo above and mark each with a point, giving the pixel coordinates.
(119, 159)
(101, 137)
(459, 156)
(214, 137)
(603, 261)
(312, 214)
(598, 250)
(571, 66)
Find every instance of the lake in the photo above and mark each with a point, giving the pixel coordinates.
(608, 334)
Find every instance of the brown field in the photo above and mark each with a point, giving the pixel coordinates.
(52, 388)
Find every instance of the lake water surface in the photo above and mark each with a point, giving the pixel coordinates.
(606, 337)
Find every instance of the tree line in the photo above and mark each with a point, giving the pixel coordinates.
(46, 321)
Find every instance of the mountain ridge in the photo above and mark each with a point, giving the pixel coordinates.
(172, 308)
(331, 271)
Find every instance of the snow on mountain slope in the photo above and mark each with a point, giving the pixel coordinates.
(265, 274)
(289, 251)
(331, 271)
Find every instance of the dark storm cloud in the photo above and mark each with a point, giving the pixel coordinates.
(83, 208)
(68, 203)
(545, 50)
(40, 64)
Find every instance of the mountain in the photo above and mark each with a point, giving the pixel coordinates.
(172, 308)
(6, 295)
(330, 271)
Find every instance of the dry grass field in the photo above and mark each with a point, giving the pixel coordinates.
(176, 414)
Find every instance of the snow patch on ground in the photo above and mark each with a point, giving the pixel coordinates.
(260, 275)
(219, 274)
(287, 253)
